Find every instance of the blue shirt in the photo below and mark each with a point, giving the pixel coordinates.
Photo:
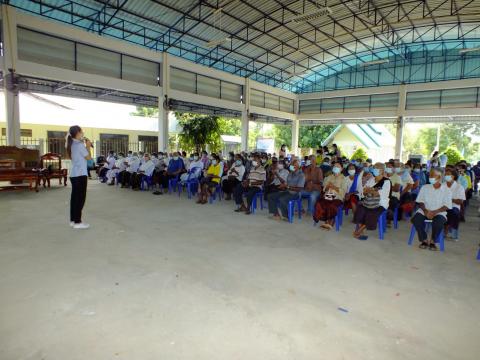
(175, 165)
(79, 163)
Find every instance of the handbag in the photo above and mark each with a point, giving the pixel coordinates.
(371, 201)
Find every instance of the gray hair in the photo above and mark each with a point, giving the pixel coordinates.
(380, 166)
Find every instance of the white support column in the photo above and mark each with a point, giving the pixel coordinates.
(162, 112)
(295, 135)
(12, 108)
(245, 125)
(245, 114)
(399, 138)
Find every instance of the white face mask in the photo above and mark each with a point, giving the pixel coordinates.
(214, 162)
(351, 172)
(280, 166)
(195, 158)
(308, 162)
(254, 163)
(175, 158)
(433, 181)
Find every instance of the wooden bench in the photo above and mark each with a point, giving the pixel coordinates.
(51, 165)
(18, 165)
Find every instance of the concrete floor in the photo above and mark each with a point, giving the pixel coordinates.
(158, 277)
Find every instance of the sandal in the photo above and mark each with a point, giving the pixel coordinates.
(423, 245)
(432, 247)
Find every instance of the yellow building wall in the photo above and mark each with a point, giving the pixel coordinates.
(346, 141)
(40, 131)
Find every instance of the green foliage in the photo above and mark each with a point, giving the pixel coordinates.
(313, 136)
(145, 111)
(453, 155)
(360, 154)
(198, 131)
(230, 126)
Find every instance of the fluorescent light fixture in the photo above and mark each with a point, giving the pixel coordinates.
(216, 42)
(320, 12)
(297, 73)
(467, 50)
(375, 62)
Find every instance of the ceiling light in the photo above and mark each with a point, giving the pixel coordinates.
(216, 42)
(320, 12)
(375, 62)
(467, 50)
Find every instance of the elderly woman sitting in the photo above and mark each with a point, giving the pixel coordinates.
(211, 179)
(326, 208)
(376, 197)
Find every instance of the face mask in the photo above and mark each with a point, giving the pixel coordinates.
(238, 162)
(448, 178)
(254, 163)
(416, 170)
(468, 168)
(375, 172)
(249, 158)
(292, 168)
(434, 164)
(351, 172)
(263, 161)
(308, 163)
(326, 164)
(195, 158)
(175, 158)
(336, 170)
(191, 158)
(214, 162)
(280, 166)
(433, 180)
(398, 170)
(389, 170)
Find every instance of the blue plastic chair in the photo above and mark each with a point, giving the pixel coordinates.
(218, 191)
(310, 205)
(478, 254)
(382, 225)
(253, 206)
(191, 183)
(146, 180)
(440, 238)
(291, 209)
(172, 184)
(339, 218)
(117, 178)
(395, 217)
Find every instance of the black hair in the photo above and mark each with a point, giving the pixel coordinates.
(72, 133)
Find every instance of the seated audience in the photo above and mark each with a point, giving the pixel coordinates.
(326, 208)
(276, 176)
(376, 197)
(458, 200)
(146, 169)
(117, 168)
(211, 180)
(434, 199)
(194, 169)
(174, 169)
(313, 181)
(234, 176)
(107, 165)
(353, 188)
(278, 201)
(132, 165)
(251, 185)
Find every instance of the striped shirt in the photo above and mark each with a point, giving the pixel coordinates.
(257, 174)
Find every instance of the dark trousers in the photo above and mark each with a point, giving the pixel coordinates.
(137, 180)
(438, 222)
(238, 194)
(453, 217)
(77, 199)
(367, 217)
(228, 185)
(103, 172)
(125, 178)
(163, 179)
(270, 189)
(279, 200)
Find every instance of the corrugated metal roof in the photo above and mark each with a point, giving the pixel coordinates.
(265, 43)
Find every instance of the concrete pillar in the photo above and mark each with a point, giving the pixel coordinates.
(12, 109)
(295, 135)
(162, 127)
(399, 138)
(12, 113)
(163, 105)
(245, 124)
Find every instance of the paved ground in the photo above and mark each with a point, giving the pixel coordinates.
(158, 277)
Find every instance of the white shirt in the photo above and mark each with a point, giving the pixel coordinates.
(147, 167)
(120, 164)
(349, 182)
(110, 163)
(458, 193)
(240, 169)
(434, 199)
(384, 192)
(133, 164)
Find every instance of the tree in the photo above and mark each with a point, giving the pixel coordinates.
(230, 126)
(360, 154)
(198, 131)
(145, 111)
(453, 155)
(313, 136)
